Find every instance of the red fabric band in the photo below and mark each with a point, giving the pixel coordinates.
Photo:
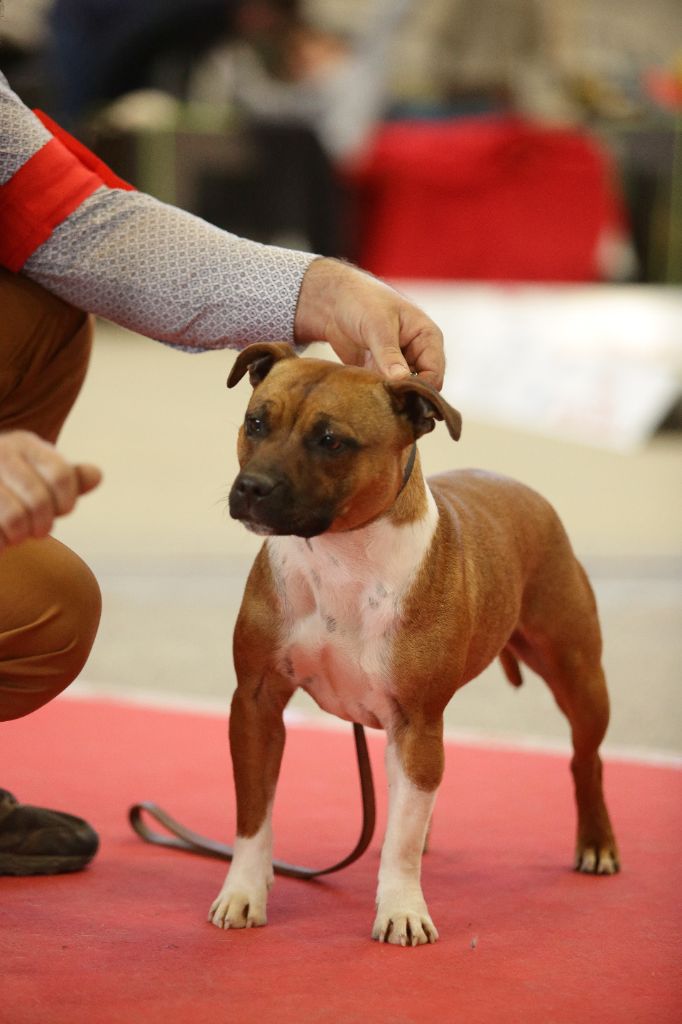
(45, 191)
(83, 154)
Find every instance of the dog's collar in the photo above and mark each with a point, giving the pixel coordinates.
(408, 468)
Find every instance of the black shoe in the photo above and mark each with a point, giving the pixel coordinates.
(35, 841)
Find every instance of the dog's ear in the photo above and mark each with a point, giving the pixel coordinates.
(422, 405)
(259, 359)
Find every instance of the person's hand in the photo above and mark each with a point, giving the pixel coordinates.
(367, 323)
(36, 485)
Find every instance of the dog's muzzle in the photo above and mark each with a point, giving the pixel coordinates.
(266, 504)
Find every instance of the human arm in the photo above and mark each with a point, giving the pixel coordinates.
(167, 274)
(126, 256)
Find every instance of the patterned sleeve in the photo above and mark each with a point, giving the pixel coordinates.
(153, 268)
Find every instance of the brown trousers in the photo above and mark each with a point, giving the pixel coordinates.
(49, 600)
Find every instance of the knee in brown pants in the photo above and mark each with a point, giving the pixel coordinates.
(49, 610)
(49, 600)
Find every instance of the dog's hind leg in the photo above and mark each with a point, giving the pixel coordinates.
(565, 649)
(587, 708)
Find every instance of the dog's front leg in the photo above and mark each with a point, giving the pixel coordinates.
(256, 744)
(414, 767)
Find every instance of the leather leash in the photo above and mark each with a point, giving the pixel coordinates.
(182, 838)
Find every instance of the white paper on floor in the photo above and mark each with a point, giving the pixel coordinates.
(598, 364)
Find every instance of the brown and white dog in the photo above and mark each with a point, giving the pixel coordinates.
(381, 596)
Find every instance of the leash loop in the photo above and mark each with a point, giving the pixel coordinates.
(182, 838)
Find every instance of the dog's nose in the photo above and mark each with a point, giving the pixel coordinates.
(254, 486)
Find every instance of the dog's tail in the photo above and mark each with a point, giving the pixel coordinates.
(511, 667)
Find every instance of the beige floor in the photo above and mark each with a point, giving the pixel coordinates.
(172, 564)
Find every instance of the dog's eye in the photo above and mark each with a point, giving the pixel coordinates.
(331, 443)
(254, 426)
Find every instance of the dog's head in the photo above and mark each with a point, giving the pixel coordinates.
(323, 446)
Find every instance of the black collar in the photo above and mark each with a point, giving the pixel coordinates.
(408, 468)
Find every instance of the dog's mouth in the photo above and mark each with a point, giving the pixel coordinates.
(258, 528)
(264, 529)
(269, 509)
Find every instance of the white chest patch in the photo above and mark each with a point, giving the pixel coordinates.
(342, 596)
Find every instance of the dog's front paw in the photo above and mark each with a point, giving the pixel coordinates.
(597, 859)
(404, 924)
(239, 908)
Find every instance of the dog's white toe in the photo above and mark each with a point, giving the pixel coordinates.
(593, 861)
(404, 927)
(235, 909)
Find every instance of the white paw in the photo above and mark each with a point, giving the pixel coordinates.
(239, 908)
(591, 860)
(404, 925)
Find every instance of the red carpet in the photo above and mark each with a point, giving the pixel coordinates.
(523, 939)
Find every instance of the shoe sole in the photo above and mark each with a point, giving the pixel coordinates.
(23, 865)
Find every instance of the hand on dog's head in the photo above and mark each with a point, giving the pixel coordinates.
(410, 396)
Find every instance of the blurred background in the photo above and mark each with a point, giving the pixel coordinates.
(515, 166)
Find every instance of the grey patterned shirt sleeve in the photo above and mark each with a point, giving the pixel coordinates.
(160, 271)
(153, 268)
(21, 134)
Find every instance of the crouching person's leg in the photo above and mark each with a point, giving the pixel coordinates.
(49, 599)
(49, 611)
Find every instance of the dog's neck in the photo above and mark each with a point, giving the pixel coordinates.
(410, 505)
(397, 538)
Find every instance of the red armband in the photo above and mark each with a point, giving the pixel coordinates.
(83, 154)
(45, 191)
